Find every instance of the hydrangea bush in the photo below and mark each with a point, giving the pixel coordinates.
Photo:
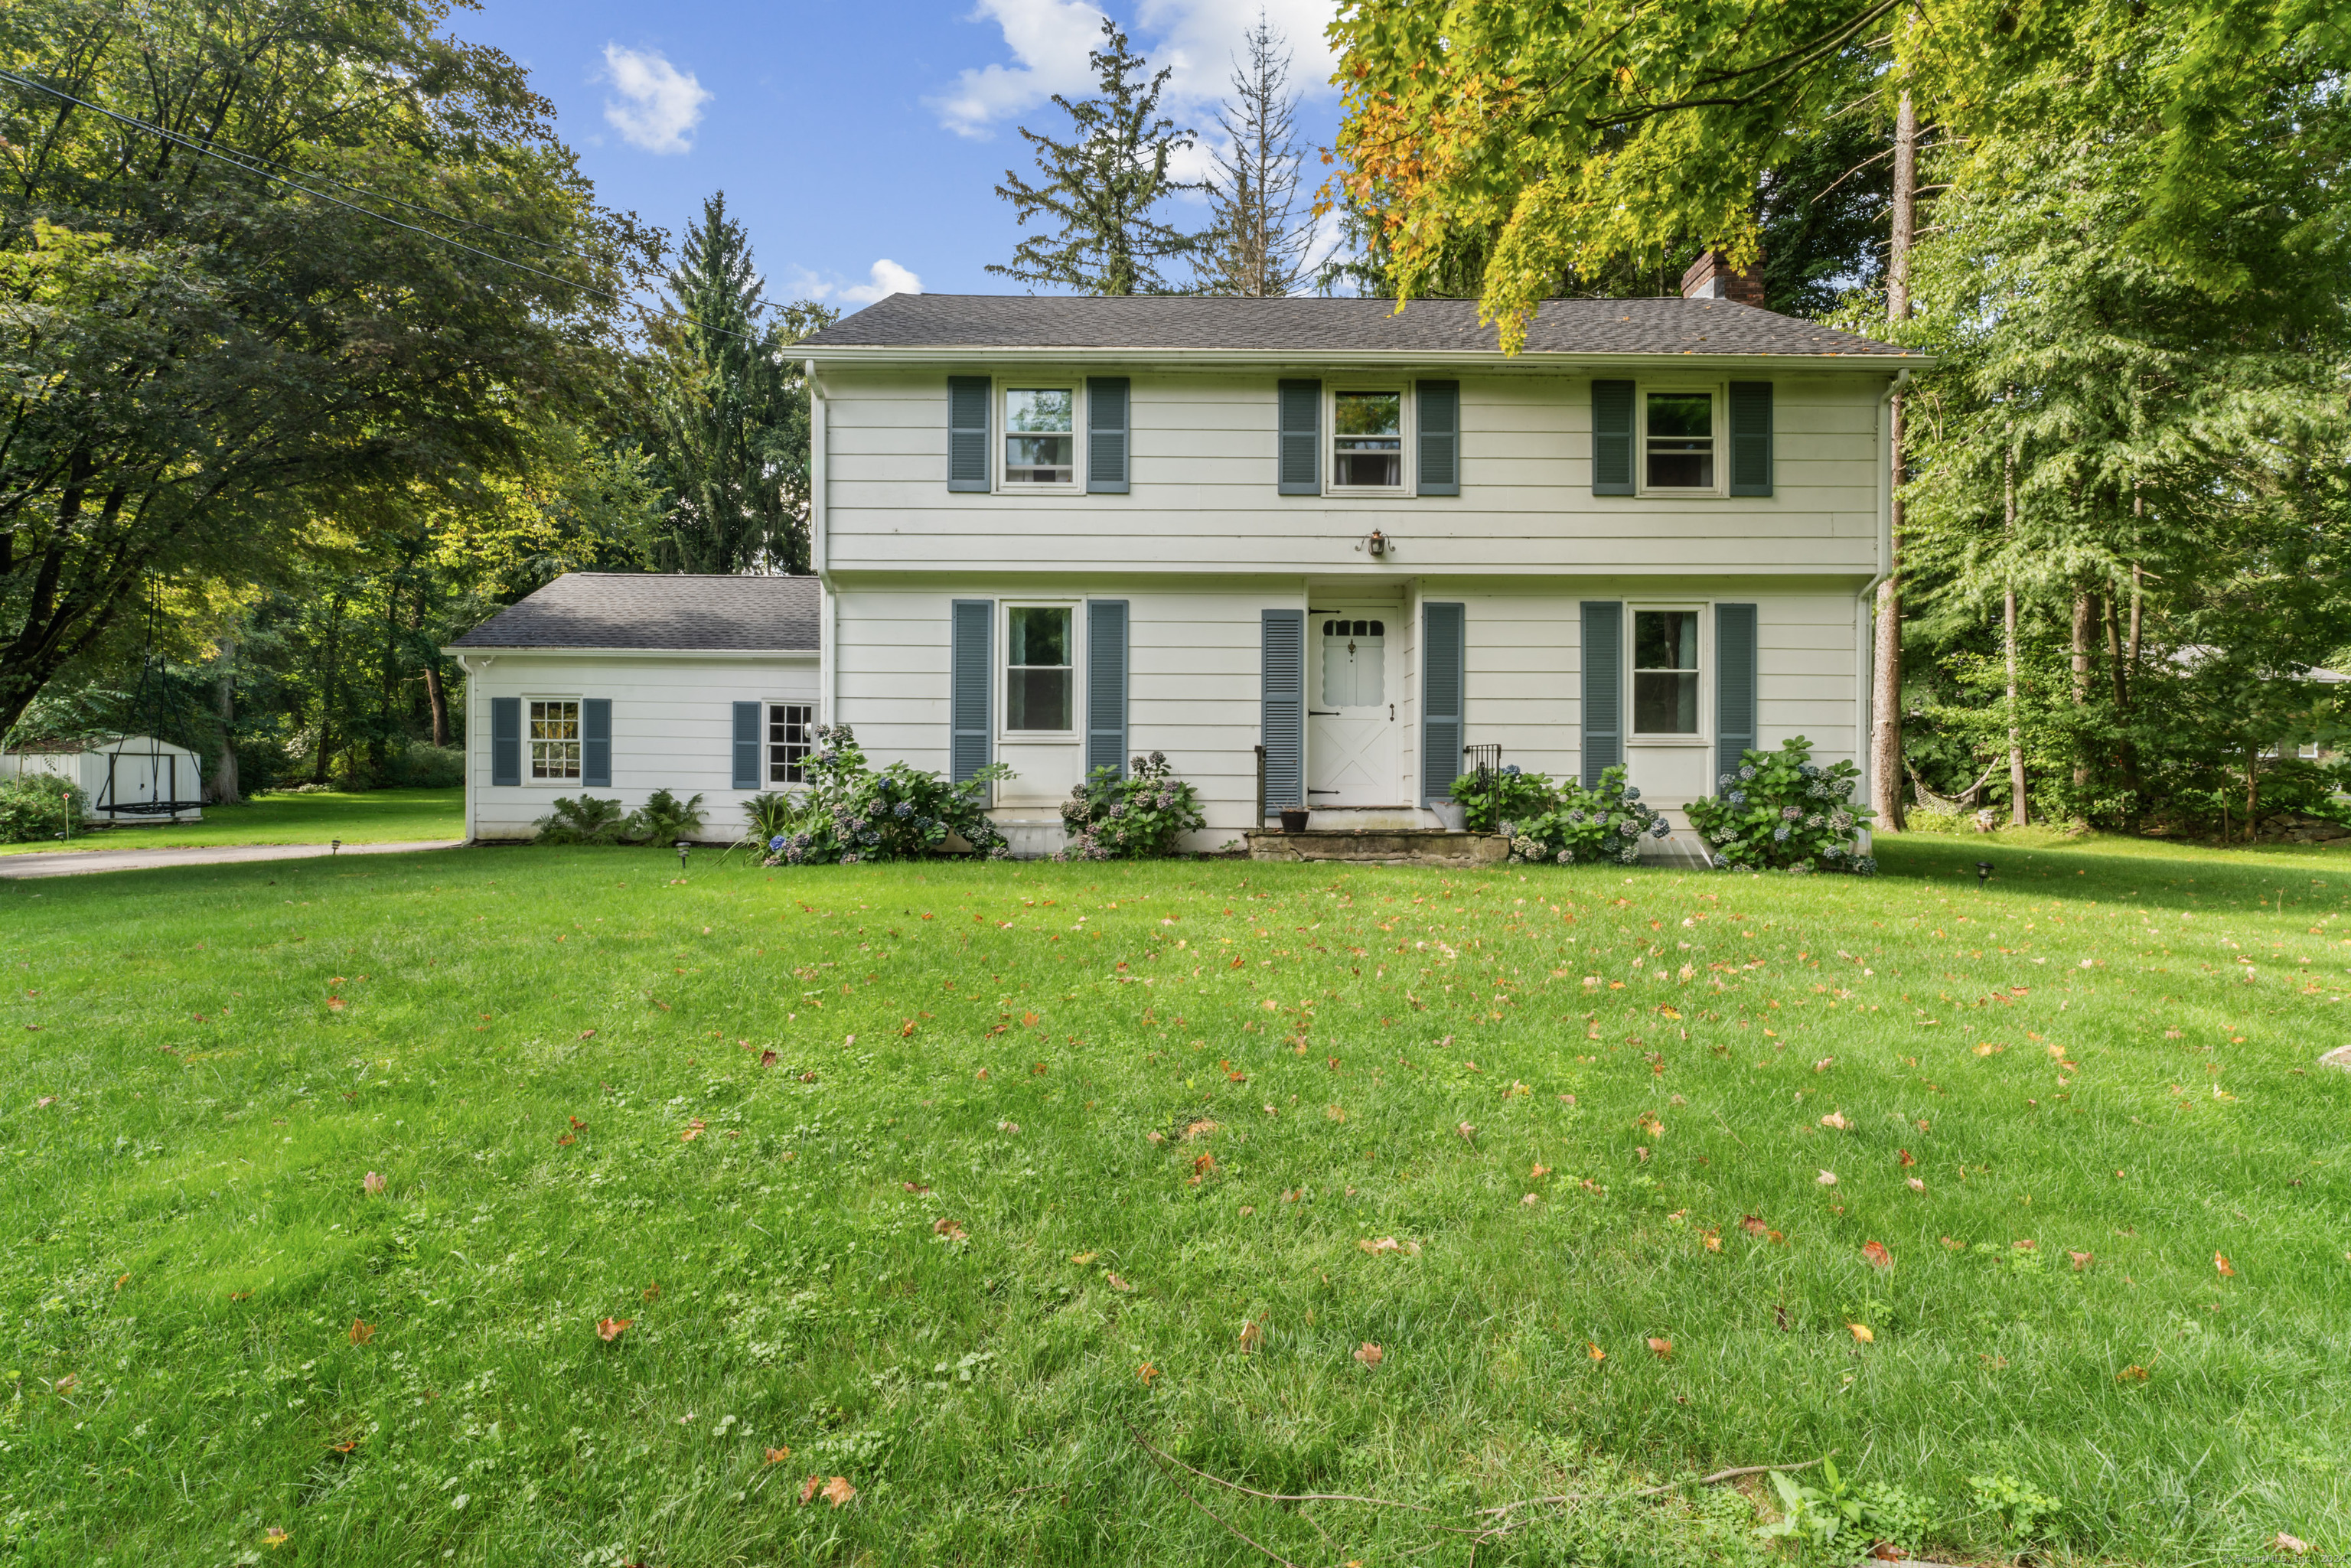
(1587, 827)
(1506, 794)
(1144, 814)
(854, 815)
(1782, 811)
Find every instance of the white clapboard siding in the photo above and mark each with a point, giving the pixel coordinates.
(1194, 666)
(673, 728)
(1203, 495)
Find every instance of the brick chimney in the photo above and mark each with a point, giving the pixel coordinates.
(1709, 279)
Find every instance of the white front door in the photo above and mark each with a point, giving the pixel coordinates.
(1351, 728)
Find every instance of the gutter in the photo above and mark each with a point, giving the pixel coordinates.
(722, 656)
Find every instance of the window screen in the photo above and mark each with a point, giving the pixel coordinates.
(1038, 677)
(1665, 672)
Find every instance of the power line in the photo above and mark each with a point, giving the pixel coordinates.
(250, 163)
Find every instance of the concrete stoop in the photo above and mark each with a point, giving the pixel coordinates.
(1380, 846)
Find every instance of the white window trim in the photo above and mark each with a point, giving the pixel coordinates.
(1005, 734)
(768, 744)
(1720, 392)
(1001, 433)
(1408, 417)
(1704, 736)
(530, 782)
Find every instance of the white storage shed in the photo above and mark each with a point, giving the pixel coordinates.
(128, 778)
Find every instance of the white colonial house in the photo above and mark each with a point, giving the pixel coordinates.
(1056, 532)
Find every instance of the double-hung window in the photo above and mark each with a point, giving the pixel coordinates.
(1678, 441)
(790, 727)
(1041, 436)
(554, 739)
(1367, 441)
(1041, 671)
(1665, 672)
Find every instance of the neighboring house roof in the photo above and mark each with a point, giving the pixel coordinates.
(674, 613)
(1310, 326)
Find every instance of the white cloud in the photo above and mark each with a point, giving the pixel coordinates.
(884, 278)
(658, 103)
(1050, 40)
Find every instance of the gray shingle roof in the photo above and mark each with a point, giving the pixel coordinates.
(1306, 326)
(664, 613)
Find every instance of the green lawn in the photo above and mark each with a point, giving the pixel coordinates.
(375, 817)
(1037, 1142)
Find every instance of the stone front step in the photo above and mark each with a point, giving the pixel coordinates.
(1384, 846)
(1346, 818)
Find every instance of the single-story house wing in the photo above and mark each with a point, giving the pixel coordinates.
(619, 684)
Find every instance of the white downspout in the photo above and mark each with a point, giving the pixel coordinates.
(821, 552)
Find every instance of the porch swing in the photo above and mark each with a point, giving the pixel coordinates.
(148, 700)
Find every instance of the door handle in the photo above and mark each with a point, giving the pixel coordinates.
(1324, 713)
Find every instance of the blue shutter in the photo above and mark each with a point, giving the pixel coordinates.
(1106, 684)
(1734, 685)
(505, 740)
(746, 745)
(1106, 434)
(1439, 404)
(1284, 725)
(1612, 438)
(1604, 689)
(971, 695)
(1442, 659)
(596, 743)
(967, 398)
(1751, 438)
(1300, 469)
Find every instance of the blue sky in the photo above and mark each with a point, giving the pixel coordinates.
(860, 144)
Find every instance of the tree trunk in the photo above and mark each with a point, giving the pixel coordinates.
(439, 698)
(2118, 670)
(1886, 686)
(2018, 812)
(221, 791)
(2084, 616)
(329, 665)
(2253, 790)
(380, 743)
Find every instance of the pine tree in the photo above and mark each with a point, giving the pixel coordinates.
(1256, 244)
(730, 409)
(1103, 184)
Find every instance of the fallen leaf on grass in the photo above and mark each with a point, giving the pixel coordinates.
(1200, 1129)
(1826, 1178)
(372, 1185)
(1389, 1244)
(1875, 1255)
(1861, 1332)
(1121, 1286)
(1369, 1353)
(1147, 1371)
(1662, 1348)
(2081, 1260)
(2228, 1270)
(565, 1141)
(1537, 1173)
(587, 1034)
(1253, 1335)
(1531, 1199)
(1835, 1120)
(361, 1332)
(2131, 1374)
(777, 1456)
(1594, 1352)
(334, 1004)
(766, 1059)
(1469, 1134)
(691, 1132)
(68, 1382)
(274, 1537)
(1714, 1241)
(2285, 1542)
(950, 1228)
(609, 1329)
(1906, 1159)
(1754, 1226)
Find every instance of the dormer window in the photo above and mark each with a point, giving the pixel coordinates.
(1041, 436)
(1367, 434)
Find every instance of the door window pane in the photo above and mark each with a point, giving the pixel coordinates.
(1681, 441)
(554, 739)
(1369, 430)
(1039, 676)
(1040, 441)
(1354, 664)
(789, 727)
(1665, 672)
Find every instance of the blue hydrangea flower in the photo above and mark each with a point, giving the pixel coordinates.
(1566, 857)
(1723, 863)
(849, 859)
(1780, 835)
(1723, 783)
(1661, 828)
(1791, 813)
(1809, 769)
(1747, 773)
(776, 843)
(1509, 830)
(905, 809)
(1739, 797)
(1631, 794)
(1629, 828)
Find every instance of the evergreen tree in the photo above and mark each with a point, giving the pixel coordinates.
(730, 410)
(1103, 184)
(1256, 244)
